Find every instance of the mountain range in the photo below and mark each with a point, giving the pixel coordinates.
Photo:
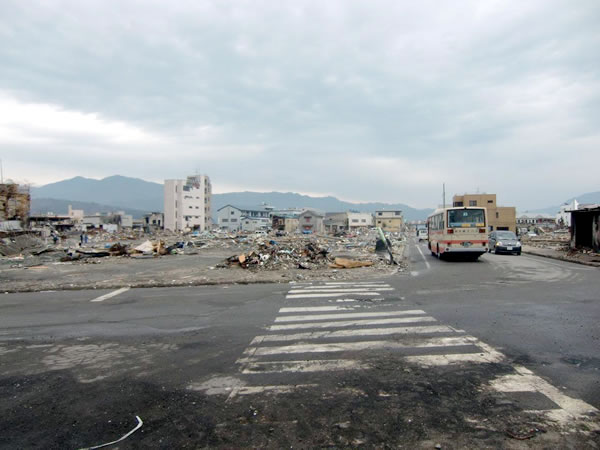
(590, 197)
(141, 196)
(137, 196)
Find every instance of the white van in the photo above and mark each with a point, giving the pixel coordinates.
(422, 234)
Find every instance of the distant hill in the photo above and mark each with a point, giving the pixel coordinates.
(119, 192)
(328, 204)
(116, 191)
(590, 197)
(61, 207)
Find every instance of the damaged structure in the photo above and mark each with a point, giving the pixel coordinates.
(391, 221)
(15, 203)
(347, 221)
(528, 221)
(153, 221)
(187, 204)
(585, 227)
(310, 221)
(244, 218)
(286, 221)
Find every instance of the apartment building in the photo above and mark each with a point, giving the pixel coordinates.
(499, 217)
(392, 221)
(188, 203)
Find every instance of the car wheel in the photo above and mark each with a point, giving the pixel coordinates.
(518, 253)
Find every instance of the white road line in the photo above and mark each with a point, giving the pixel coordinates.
(277, 389)
(355, 346)
(526, 380)
(446, 360)
(110, 294)
(342, 316)
(304, 366)
(351, 323)
(377, 289)
(353, 333)
(316, 309)
(339, 286)
(421, 252)
(357, 283)
(364, 294)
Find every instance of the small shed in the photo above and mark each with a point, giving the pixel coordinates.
(585, 227)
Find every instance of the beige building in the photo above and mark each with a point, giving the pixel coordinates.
(188, 203)
(389, 220)
(499, 217)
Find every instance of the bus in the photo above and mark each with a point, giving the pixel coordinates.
(460, 231)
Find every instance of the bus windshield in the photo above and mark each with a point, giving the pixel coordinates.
(466, 218)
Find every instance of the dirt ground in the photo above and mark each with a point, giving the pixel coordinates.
(200, 266)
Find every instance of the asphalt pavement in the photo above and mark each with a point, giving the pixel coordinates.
(461, 354)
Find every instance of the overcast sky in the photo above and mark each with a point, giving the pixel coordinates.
(364, 100)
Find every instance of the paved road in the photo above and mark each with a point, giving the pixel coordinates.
(456, 353)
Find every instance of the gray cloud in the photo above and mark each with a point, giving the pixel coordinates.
(367, 101)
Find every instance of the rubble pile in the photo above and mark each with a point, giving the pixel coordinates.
(295, 252)
(584, 253)
(271, 255)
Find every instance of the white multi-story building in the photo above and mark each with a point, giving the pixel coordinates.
(187, 203)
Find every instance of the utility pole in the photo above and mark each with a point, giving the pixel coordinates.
(444, 194)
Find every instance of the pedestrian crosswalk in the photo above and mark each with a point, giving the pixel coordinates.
(329, 327)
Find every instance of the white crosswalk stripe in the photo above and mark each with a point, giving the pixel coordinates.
(364, 345)
(338, 316)
(352, 331)
(333, 294)
(351, 323)
(361, 289)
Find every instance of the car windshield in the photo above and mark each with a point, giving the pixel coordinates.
(466, 218)
(506, 235)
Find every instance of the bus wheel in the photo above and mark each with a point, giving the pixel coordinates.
(439, 255)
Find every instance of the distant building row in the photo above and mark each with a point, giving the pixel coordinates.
(243, 218)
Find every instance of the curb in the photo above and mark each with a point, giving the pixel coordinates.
(146, 285)
(140, 286)
(562, 258)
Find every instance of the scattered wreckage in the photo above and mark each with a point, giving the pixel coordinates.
(299, 254)
(256, 252)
